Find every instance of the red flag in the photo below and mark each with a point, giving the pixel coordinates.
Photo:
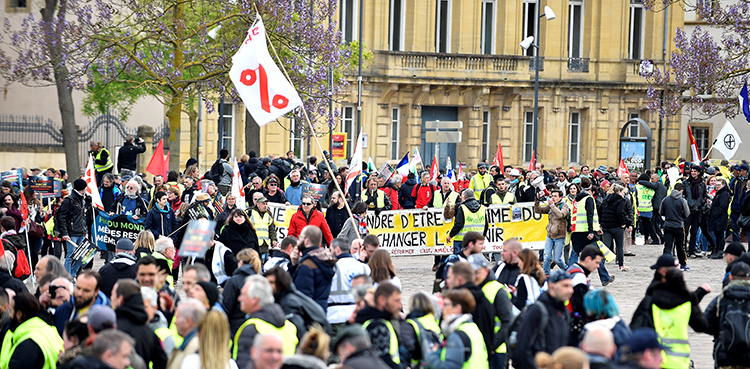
(694, 147)
(166, 166)
(622, 169)
(156, 164)
(532, 163)
(434, 171)
(499, 157)
(24, 207)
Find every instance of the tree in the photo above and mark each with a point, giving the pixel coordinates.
(175, 50)
(704, 74)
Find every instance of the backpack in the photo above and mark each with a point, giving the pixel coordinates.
(515, 325)
(21, 268)
(734, 328)
(217, 170)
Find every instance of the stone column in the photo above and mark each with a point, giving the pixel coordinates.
(147, 134)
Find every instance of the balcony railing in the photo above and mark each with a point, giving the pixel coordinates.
(536, 61)
(412, 60)
(579, 65)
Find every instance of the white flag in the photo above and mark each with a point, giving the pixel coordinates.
(238, 189)
(263, 88)
(728, 141)
(355, 166)
(90, 177)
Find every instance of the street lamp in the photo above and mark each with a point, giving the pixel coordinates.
(525, 44)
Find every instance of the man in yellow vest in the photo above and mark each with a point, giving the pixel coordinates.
(481, 180)
(585, 228)
(102, 161)
(377, 322)
(157, 321)
(29, 341)
(499, 297)
(497, 193)
(265, 316)
(265, 228)
(375, 199)
(644, 197)
(445, 195)
(470, 217)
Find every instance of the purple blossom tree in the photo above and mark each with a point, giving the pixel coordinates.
(704, 74)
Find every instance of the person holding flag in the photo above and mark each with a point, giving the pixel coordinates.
(70, 222)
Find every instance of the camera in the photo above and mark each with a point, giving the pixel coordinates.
(53, 291)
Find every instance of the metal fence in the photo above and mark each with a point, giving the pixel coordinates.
(23, 130)
(108, 130)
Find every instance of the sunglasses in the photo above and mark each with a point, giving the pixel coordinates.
(272, 185)
(306, 203)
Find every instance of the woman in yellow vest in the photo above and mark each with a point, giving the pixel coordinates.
(672, 308)
(29, 342)
(421, 320)
(464, 348)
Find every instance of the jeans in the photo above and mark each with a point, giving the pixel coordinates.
(553, 251)
(72, 266)
(457, 247)
(735, 227)
(675, 237)
(616, 236)
(497, 361)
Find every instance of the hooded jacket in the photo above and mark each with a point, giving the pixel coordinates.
(378, 331)
(67, 311)
(314, 274)
(231, 292)
(720, 210)
(122, 267)
(483, 314)
(666, 297)
(161, 222)
(736, 290)
(133, 320)
(239, 236)
(300, 220)
(272, 314)
(404, 194)
(614, 212)
(556, 333)
(251, 166)
(458, 220)
(10, 282)
(674, 208)
(304, 311)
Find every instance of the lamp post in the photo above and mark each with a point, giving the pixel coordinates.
(525, 44)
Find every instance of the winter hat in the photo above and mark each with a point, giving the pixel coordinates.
(212, 292)
(735, 248)
(124, 244)
(79, 185)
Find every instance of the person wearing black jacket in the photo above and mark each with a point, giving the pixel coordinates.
(239, 233)
(232, 290)
(304, 311)
(123, 266)
(404, 194)
(128, 155)
(675, 210)
(614, 221)
(252, 164)
(461, 276)
(109, 192)
(6, 278)
(500, 302)
(336, 214)
(736, 294)
(133, 320)
(718, 218)
(70, 221)
(557, 331)
(695, 191)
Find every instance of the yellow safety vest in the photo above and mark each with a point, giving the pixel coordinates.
(177, 338)
(480, 182)
(380, 200)
(429, 323)
(393, 349)
(672, 327)
(490, 290)
(508, 198)
(108, 165)
(43, 334)
(261, 222)
(288, 334)
(438, 198)
(473, 222)
(580, 218)
(157, 255)
(479, 358)
(645, 195)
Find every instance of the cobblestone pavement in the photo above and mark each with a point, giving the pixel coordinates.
(628, 288)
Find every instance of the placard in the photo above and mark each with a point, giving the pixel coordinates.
(84, 251)
(338, 146)
(197, 238)
(316, 191)
(108, 229)
(46, 187)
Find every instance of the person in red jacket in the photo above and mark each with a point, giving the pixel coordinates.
(391, 190)
(306, 215)
(423, 191)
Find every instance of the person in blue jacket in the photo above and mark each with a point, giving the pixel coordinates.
(160, 220)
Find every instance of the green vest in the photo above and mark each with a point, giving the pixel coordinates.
(261, 222)
(490, 290)
(429, 323)
(393, 349)
(43, 334)
(158, 255)
(472, 222)
(380, 200)
(645, 195)
(288, 334)
(479, 358)
(437, 198)
(580, 218)
(672, 327)
(107, 165)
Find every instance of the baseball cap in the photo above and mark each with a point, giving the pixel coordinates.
(101, 317)
(735, 248)
(665, 261)
(125, 244)
(744, 167)
(354, 330)
(481, 165)
(273, 180)
(559, 275)
(35, 168)
(514, 172)
(643, 339)
(477, 261)
(602, 169)
(741, 269)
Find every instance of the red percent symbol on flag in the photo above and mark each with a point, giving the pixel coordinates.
(249, 77)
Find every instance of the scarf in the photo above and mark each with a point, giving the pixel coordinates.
(361, 225)
(694, 182)
(451, 322)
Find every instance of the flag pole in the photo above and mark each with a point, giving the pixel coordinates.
(710, 148)
(312, 128)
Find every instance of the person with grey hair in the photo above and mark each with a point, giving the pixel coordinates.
(164, 253)
(341, 303)
(186, 319)
(7, 260)
(353, 347)
(264, 316)
(111, 348)
(157, 321)
(267, 351)
(130, 201)
(49, 264)
(470, 217)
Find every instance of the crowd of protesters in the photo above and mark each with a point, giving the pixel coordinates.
(328, 295)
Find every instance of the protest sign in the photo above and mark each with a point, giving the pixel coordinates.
(108, 229)
(316, 191)
(11, 176)
(424, 232)
(46, 187)
(84, 251)
(197, 238)
(338, 149)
